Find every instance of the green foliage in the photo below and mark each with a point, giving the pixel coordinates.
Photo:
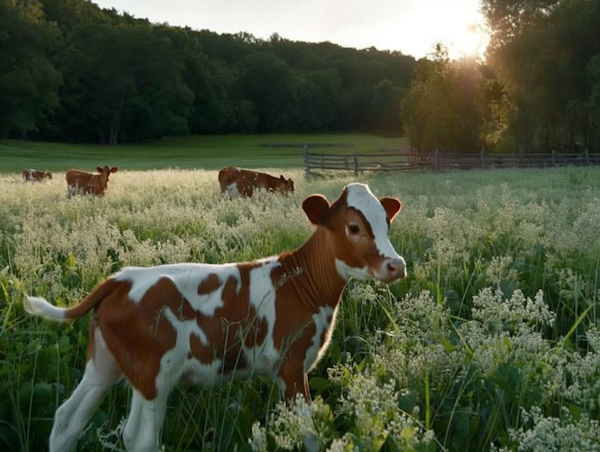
(444, 107)
(29, 81)
(116, 68)
(127, 80)
(491, 342)
(540, 51)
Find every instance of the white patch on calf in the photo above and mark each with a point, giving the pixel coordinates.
(323, 320)
(186, 277)
(262, 359)
(175, 362)
(360, 198)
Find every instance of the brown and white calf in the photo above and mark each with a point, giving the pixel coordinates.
(200, 323)
(238, 181)
(32, 175)
(81, 182)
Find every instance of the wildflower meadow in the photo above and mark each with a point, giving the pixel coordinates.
(491, 343)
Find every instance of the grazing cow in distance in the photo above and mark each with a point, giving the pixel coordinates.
(31, 175)
(81, 182)
(238, 181)
(202, 323)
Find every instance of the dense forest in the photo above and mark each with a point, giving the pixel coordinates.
(71, 71)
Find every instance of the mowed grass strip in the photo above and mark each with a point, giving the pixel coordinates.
(198, 151)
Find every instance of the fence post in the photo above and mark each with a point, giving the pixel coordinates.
(553, 157)
(355, 155)
(587, 156)
(306, 161)
(437, 159)
(482, 157)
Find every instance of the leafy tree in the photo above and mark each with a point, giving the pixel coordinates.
(593, 70)
(540, 51)
(266, 81)
(67, 14)
(316, 97)
(29, 81)
(507, 19)
(384, 110)
(124, 83)
(443, 109)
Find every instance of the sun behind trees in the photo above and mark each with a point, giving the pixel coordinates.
(538, 91)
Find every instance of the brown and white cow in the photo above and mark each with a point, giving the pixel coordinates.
(81, 182)
(201, 323)
(238, 181)
(32, 175)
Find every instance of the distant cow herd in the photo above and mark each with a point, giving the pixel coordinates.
(233, 181)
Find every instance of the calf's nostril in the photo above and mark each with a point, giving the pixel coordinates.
(396, 268)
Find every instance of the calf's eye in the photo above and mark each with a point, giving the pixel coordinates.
(353, 228)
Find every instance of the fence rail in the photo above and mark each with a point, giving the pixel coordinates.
(396, 159)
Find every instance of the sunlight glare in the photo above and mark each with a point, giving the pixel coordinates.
(458, 25)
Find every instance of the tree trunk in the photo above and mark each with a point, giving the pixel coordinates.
(116, 126)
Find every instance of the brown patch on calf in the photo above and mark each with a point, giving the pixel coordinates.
(209, 285)
(232, 324)
(138, 334)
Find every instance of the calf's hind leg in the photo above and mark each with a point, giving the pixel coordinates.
(101, 373)
(144, 425)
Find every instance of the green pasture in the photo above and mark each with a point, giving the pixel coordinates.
(491, 343)
(190, 152)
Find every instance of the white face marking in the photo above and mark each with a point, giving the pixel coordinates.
(360, 198)
(232, 189)
(347, 272)
(322, 321)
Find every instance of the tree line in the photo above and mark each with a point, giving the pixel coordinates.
(71, 71)
(538, 91)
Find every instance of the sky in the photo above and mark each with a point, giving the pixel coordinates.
(409, 26)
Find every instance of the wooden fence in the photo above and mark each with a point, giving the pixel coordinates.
(395, 159)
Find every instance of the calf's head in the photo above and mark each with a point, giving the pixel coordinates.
(357, 224)
(285, 185)
(104, 173)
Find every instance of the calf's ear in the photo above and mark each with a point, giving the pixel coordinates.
(392, 207)
(99, 169)
(114, 169)
(316, 208)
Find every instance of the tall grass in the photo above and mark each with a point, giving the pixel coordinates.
(491, 343)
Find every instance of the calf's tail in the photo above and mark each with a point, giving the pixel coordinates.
(41, 307)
